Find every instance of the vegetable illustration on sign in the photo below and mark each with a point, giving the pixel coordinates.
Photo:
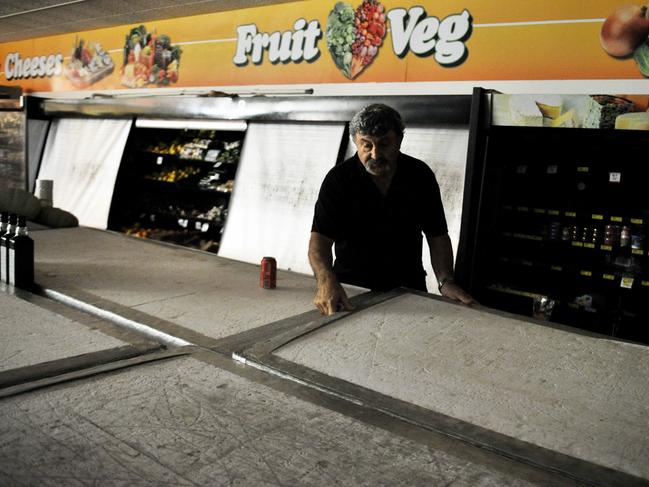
(626, 32)
(149, 58)
(354, 37)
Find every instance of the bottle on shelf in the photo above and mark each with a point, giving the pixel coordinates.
(9, 230)
(21, 256)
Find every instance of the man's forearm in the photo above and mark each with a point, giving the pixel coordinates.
(441, 257)
(330, 295)
(320, 256)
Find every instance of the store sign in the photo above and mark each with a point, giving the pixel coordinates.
(413, 31)
(299, 44)
(315, 42)
(354, 38)
(32, 67)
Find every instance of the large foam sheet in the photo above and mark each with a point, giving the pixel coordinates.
(31, 335)
(582, 396)
(184, 422)
(82, 157)
(277, 184)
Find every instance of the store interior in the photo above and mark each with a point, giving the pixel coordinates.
(145, 348)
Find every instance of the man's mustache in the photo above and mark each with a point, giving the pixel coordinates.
(377, 161)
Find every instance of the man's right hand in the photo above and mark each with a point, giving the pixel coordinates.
(331, 297)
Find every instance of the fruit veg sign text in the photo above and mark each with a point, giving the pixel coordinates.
(354, 37)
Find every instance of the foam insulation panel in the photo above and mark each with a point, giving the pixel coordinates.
(582, 396)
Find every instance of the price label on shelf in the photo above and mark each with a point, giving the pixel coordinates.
(626, 282)
(183, 222)
(608, 277)
(586, 273)
(552, 169)
(617, 219)
(205, 227)
(637, 251)
(522, 169)
(158, 160)
(583, 169)
(197, 225)
(571, 214)
(614, 177)
(597, 217)
(637, 221)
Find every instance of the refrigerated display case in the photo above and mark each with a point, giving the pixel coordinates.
(560, 230)
(177, 204)
(174, 184)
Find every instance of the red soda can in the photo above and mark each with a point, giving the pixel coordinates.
(268, 274)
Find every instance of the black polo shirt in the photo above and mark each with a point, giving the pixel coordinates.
(378, 238)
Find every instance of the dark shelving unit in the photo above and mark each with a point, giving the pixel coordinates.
(174, 185)
(561, 228)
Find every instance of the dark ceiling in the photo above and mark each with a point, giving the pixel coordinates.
(26, 19)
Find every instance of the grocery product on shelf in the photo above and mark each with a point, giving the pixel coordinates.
(173, 175)
(174, 186)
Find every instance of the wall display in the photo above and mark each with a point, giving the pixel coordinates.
(622, 112)
(563, 228)
(343, 42)
(12, 150)
(174, 185)
(281, 169)
(82, 157)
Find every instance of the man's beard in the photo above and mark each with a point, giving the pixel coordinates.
(376, 167)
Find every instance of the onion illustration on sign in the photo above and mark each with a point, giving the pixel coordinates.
(626, 32)
(354, 37)
(149, 58)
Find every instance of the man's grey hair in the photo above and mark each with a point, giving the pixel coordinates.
(376, 120)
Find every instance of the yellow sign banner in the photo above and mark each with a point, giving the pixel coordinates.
(313, 42)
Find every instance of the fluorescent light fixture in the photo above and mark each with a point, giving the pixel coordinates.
(231, 125)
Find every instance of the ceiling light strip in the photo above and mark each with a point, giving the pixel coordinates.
(62, 4)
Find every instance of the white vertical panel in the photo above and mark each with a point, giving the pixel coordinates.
(444, 149)
(82, 157)
(279, 176)
(36, 133)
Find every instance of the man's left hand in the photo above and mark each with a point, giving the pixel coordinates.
(456, 293)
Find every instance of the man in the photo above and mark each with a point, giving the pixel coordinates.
(374, 207)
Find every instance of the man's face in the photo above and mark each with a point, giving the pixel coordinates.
(378, 154)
